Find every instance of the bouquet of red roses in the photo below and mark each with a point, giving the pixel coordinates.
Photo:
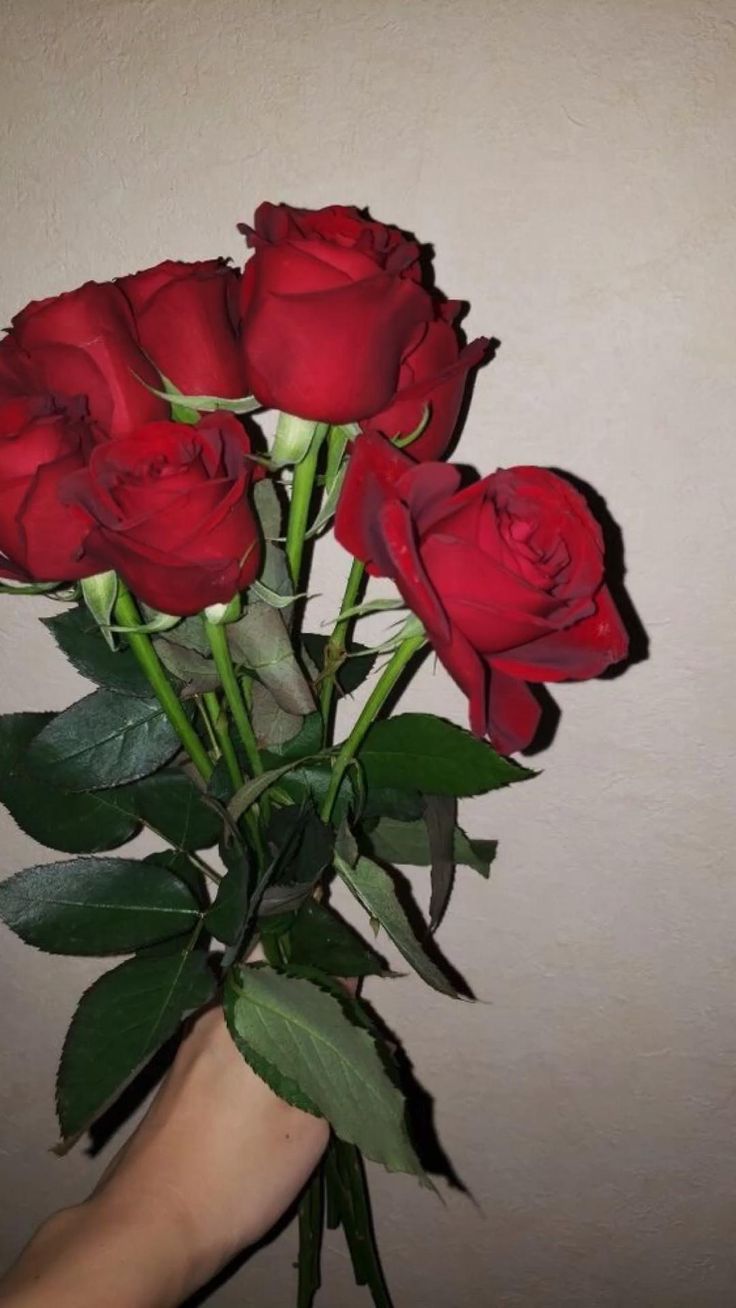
(137, 490)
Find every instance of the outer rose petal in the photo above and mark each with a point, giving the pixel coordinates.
(164, 584)
(408, 573)
(582, 650)
(435, 373)
(14, 379)
(332, 356)
(339, 225)
(39, 446)
(84, 342)
(377, 473)
(513, 713)
(183, 319)
(53, 533)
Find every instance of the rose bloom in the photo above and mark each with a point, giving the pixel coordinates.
(330, 306)
(41, 444)
(432, 381)
(168, 509)
(506, 576)
(85, 342)
(185, 315)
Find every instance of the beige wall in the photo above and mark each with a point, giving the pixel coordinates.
(573, 161)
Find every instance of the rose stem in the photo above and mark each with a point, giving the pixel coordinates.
(219, 725)
(382, 689)
(335, 647)
(217, 636)
(301, 497)
(215, 751)
(127, 615)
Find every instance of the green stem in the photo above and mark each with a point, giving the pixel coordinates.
(214, 746)
(127, 615)
(377, 698)
(204, 868)
(335, 647)
(301, 497)
(226, 746)
(217, 636)
(246, 686)
(311, 1225)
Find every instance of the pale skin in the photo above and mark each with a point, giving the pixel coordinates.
(216, 1161)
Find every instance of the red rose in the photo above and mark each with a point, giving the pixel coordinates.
(85, 343)
(330, 305)
(40, 445)
(507, 576)
(433, 372)
(14, 378)
(183, 315)
(169, 511)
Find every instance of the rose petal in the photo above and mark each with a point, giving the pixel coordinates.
(513, 713)
(333, 356)
(582, 650)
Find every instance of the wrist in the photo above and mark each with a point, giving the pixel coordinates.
(153, 1228)
(108, 1250)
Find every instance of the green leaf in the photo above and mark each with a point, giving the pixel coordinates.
(254, 788)
(197, 672)
(190, 633)
(96, 906)
(99, 593)
(260, 641)
(375, 890)
(304, 1032)
(268, 507)
(384, 801)
(172, 805)
(155, 622)
(201, 403)
(280, 1082)
(362, 610)
(353, 672)
(75, 823)
(181, 866)
(439, 819)
(35, 588)
(103, 740)
(408, 842)
(273, 726)
(120, 1023)
(226, 918)
(306, 842)
(416, 751)
(272, 597)
(318, 937)
(309, 780)
(308, 741)
(329, 504)
(78, 636)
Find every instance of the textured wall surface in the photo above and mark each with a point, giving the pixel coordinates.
(573, 162)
